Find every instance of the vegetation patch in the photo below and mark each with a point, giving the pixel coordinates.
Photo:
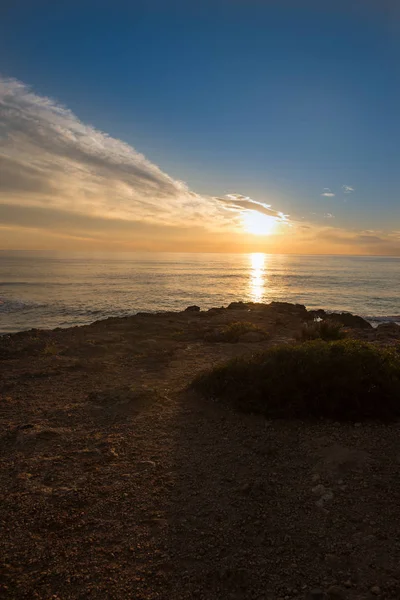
(325, 329)
(232, 332)
(343, 380)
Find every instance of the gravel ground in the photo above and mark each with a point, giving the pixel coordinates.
(117, 483)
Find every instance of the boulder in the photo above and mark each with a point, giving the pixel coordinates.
(349, 320)
(216, 310)
(391, 328)
(288, 308)
(193, 308)
(238, 306)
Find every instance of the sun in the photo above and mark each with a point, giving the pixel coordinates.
(256, 223)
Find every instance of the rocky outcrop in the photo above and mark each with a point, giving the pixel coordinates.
(391, 330)
(346, 319)
(288, 308)
(193, 308)
(239, 305)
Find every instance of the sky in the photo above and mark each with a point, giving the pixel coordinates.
(221, 126)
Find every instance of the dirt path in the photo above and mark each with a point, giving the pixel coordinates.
(118, 483)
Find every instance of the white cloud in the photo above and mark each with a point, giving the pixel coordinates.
(237, 202)
(329, 216)
(50, 159)
(347, 189)
(327, 193)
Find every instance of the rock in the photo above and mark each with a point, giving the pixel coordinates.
(288, 308)
(328, 496)
(216, 310)
(335, 592)
(390, 330)
(238, 306)
(193, 308)
(147, 463)
(252, 336)
(390, 326)
(319, 490)
(245, 488)
(25, 426)
(349, 320)
(376, 590)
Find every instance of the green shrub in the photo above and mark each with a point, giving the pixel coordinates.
(232, 332)
(327, 330)
(344, 380)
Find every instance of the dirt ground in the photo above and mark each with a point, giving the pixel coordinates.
(117, 482)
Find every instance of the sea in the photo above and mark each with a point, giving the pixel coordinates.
(54, 289)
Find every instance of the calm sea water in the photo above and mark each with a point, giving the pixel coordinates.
(59, 290)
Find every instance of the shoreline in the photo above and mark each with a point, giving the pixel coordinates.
(375, 321)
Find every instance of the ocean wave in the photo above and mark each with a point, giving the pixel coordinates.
(383, 319)
(9, 306)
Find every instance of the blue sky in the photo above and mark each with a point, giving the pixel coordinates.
(279, 101)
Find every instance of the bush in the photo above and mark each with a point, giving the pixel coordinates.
(232, 332)
(325, 330)
(345, 380)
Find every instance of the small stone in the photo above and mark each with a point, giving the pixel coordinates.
(357, 424)
(319, 490)
(147, 463)
(347, 583)
(328, 496)
(335, 592)
(245, 489)
(316, 477)
(376, 590)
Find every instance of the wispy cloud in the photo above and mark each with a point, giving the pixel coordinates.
(347, 189)
(329, 216)
(63, 181)
(49, 158)
(237, 202)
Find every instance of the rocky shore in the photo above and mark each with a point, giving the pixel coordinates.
(118, 482)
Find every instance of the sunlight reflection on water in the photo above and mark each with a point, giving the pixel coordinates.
(258, 277)
(42, 289)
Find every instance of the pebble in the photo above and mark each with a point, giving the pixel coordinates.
(376, 590)
(335, 592)
(148, 463)
(327, 496)
(319, 490)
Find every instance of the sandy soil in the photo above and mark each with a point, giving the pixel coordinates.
(116, 482)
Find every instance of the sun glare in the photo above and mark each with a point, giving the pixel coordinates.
(257, 276)
(258, 224)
